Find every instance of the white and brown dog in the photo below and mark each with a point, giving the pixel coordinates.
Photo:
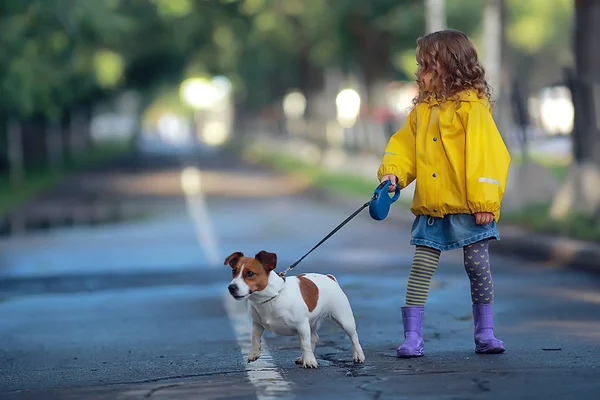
(292, 306)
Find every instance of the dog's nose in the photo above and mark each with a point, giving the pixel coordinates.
(232, 288)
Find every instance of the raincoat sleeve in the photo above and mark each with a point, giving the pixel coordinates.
(487, 161)
(400, 153)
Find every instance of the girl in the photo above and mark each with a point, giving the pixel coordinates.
(450, 144)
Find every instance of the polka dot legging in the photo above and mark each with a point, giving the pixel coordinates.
(477, 264)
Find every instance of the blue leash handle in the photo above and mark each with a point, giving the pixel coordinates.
(380, 204)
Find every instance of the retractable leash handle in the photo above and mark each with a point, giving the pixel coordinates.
(379, 208)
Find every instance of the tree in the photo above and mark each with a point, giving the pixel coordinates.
(580, 193)
(49, 63)
(57, 56)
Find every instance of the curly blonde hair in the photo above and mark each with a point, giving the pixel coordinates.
(451, 59)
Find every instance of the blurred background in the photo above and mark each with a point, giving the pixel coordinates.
(143, 141)
(319, 81)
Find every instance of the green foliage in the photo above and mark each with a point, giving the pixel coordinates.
(45, 60)
(539, 34)
(529, 21)
(55, 54)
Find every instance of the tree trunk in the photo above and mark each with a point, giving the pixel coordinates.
(373, 55)
(493, 32)
(54, 144)
(77, 140)
(580, 193)
(435, 15)
(15, 153)
(497, 65)
(311, 80)
(587, 80)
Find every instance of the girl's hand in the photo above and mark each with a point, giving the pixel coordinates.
(483, 218)
(392, 179)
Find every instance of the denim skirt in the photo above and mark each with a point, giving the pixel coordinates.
(451, 232)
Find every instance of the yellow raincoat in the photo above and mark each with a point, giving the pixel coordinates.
(456, 155)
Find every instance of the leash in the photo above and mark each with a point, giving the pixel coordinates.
(379, 206)
(291, 267)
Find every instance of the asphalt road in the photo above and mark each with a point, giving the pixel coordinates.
(139, 308)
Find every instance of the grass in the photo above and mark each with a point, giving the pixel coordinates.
(557, 167)
(534, 219)
(315, 175)
(39, 180)
(559, 171)
(538, 219)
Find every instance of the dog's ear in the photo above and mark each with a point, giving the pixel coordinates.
(268, 260)
(233, 259)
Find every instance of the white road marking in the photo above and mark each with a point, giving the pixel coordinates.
(205, 234)
(262, 373)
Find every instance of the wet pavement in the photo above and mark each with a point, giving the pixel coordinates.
(139, 308)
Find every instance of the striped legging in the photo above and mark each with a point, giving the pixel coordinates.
(477, 266)
(424, 265)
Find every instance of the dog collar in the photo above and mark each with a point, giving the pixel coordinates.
(268, 300)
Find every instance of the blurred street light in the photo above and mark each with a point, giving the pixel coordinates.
(215, 133)
(211, 102)
(222, 87)
(294, 108)
(173, 129)
(294, 105)
(222, 84)
(348, 107)
(198, 93)
(556, 110)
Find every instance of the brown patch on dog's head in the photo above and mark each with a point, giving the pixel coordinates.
(332, 277)
(254, 274)
(310, 292)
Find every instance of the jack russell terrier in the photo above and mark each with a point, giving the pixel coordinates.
(292, 306)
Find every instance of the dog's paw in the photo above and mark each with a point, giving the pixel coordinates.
(253, 357)
(359, 358)
(298, 360)
(309, 362)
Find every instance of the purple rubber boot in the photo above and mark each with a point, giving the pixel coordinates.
(485, 341)
(412, 319)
